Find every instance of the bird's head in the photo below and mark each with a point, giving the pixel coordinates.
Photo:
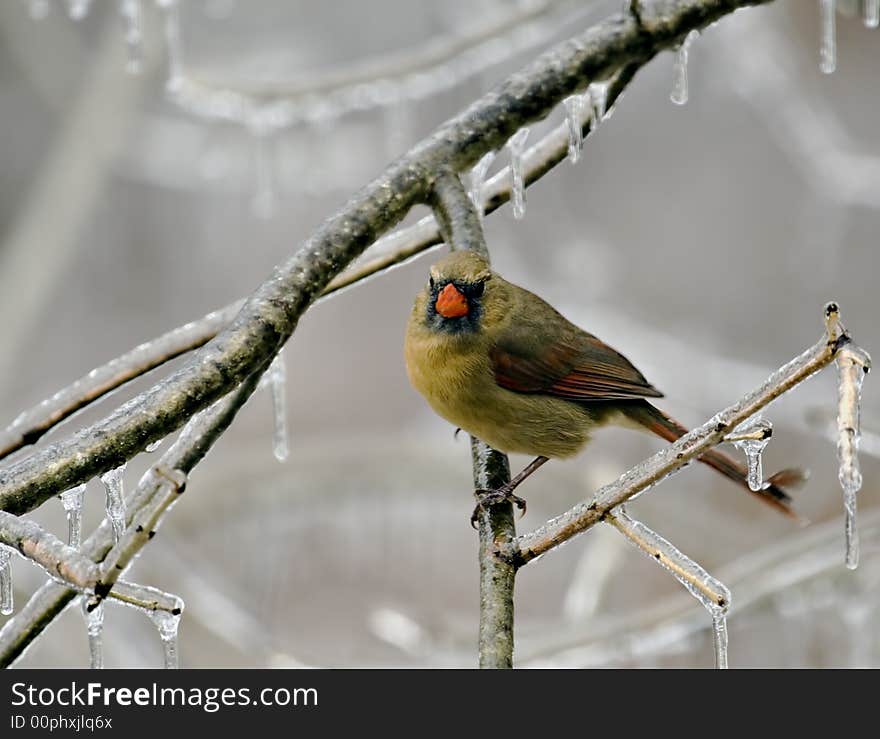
(459, 287)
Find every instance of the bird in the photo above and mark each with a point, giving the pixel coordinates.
(499, 362)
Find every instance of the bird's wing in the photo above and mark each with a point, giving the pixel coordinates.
(546, 354)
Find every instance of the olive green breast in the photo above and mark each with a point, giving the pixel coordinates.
(454, 374)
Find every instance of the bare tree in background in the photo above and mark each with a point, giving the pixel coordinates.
(228, 351)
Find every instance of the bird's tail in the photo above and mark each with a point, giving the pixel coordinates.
(654, 420)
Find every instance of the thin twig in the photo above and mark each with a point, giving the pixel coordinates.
(271, 314)
(688, 447)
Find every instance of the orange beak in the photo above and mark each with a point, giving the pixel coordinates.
(451, 303)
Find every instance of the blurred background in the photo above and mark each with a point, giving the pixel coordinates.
(159, 161)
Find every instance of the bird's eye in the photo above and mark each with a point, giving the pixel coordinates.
(477, 288)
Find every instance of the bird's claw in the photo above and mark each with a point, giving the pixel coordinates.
(489, 498)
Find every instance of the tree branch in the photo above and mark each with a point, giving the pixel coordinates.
(271, 314)
(461, 229)
(688, 447)
(186, 452)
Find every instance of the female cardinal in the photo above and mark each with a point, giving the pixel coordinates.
(497, 361)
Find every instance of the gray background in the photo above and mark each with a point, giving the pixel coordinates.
(702, 241)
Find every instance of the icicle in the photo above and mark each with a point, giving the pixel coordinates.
(598, 92)
(173, 43)
(277, 381)
(168, 624)
(575, 105)
(134, 34)
(78, 9)
(713, 594)
(828, 47)
(153, 446)
(852, 364)
(515, 145)
(6, 600)
(115, 500)
(72, 501)
(38, 9)
(752, 436)
(94, 629)
(679, 94)
(871, 13)
(477, 179)
(719, 632)
(265, 196)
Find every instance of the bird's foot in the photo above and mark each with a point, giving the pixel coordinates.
(487, 498)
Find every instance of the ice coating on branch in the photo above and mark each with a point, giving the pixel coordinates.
(713, 594)
(173, 44)
(679, 94)
(115, 500)
(852, 364)
(72, 500)
(94, 628)
(752, 436)
(598, 92)
(828, 44)
(516, 146)
(276, 381)
(168, 624)
(575, 107)
(6, 600)
(132, 19)
(871, 13)
(78, 9)
(477, 179)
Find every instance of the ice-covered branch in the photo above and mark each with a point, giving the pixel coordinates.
(67, 566)
(461, 229)
(713, 594)
(688, 447)
(186, 452)
(272, 312)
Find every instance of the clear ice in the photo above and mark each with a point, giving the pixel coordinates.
(168, 623)
(598, 92)
(476, 181)
(277, 378)
(575, 106)
(72, 500)
(94, 629)
(173, 43)
(78, 9)
(753, 447)
(132, 19)
(6, 601)
(115, 500)
(828, 46)
(679, 94)
(713, 594)
(852, 364)
(265, 196)
(871, 13)
(516, 145)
